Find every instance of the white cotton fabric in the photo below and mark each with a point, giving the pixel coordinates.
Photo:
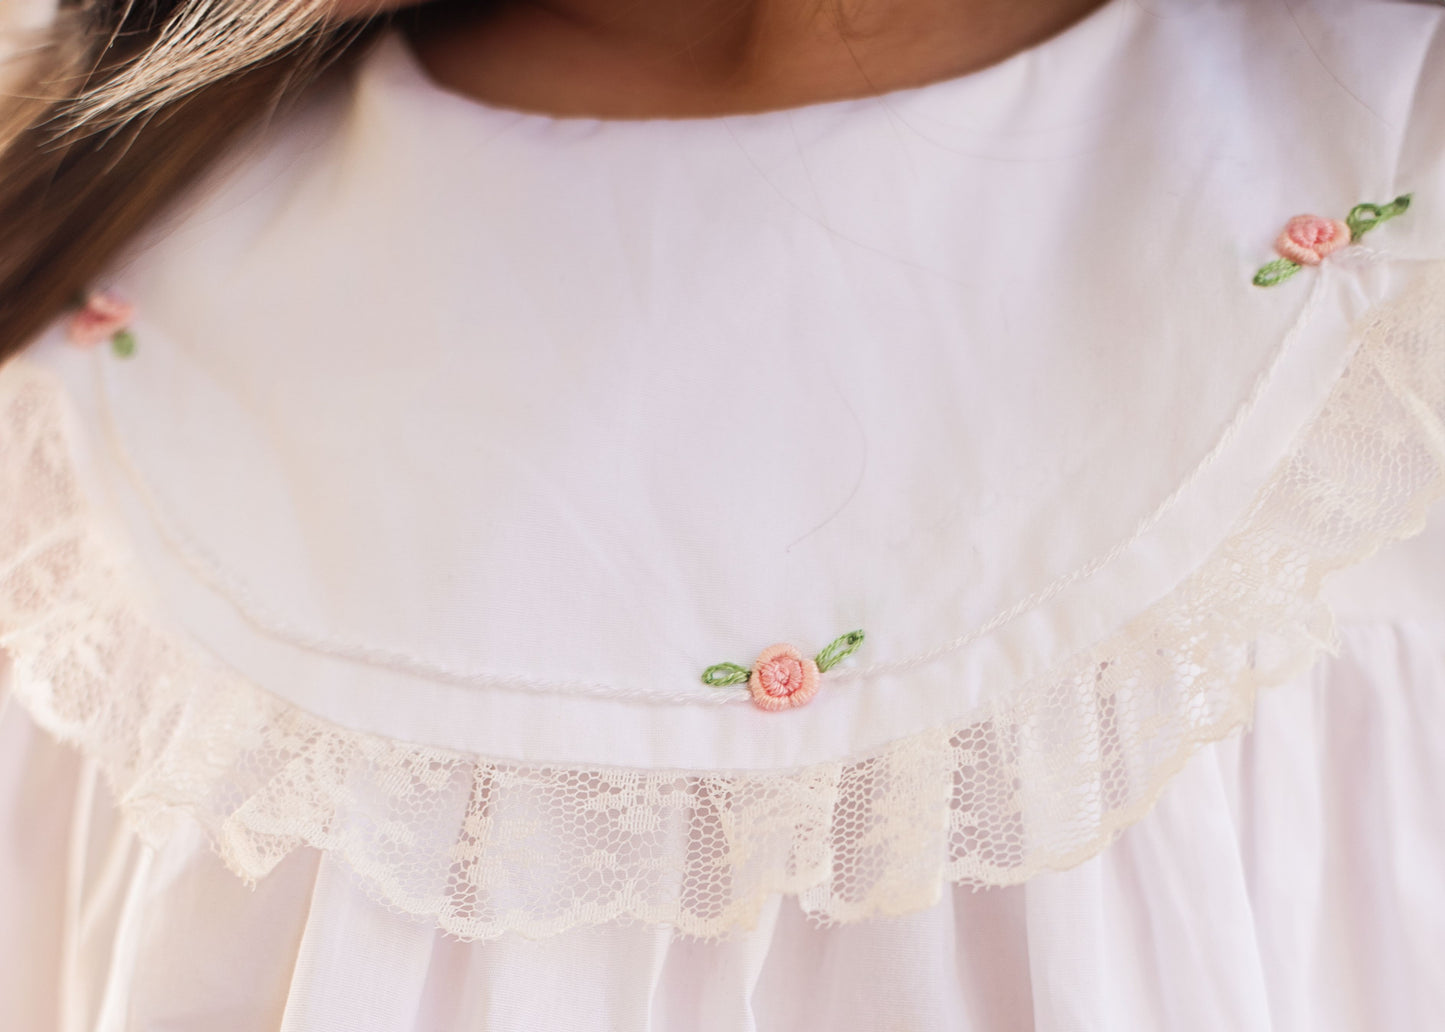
(471, 437)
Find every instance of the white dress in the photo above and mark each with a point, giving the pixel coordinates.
(356, 622)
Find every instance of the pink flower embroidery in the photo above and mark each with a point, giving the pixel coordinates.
(101, 317)
(782, 679)
(1309, 239)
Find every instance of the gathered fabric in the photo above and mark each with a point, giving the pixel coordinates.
(1286, 881)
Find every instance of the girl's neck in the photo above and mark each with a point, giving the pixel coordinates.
(697, 58)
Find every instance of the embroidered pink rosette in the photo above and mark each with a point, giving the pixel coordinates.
(1310, 239)
(782, 678)
(102, 316)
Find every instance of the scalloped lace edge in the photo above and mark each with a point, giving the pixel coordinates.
(1042, 778)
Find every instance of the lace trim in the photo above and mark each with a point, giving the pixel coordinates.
(1041, 778)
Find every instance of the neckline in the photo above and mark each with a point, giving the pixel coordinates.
(395, 53)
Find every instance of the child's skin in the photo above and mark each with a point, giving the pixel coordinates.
(691, 58)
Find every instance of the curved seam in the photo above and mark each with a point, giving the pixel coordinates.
(215, 577)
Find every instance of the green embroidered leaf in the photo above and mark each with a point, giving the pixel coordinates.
(1275, 272)
(1398, 206)
(725, 675)
(1365, 217)
(123, 343)
(839, 650)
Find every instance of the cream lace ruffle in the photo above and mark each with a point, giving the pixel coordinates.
(1042, 778)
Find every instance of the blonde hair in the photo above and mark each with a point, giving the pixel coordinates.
(202, 42)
